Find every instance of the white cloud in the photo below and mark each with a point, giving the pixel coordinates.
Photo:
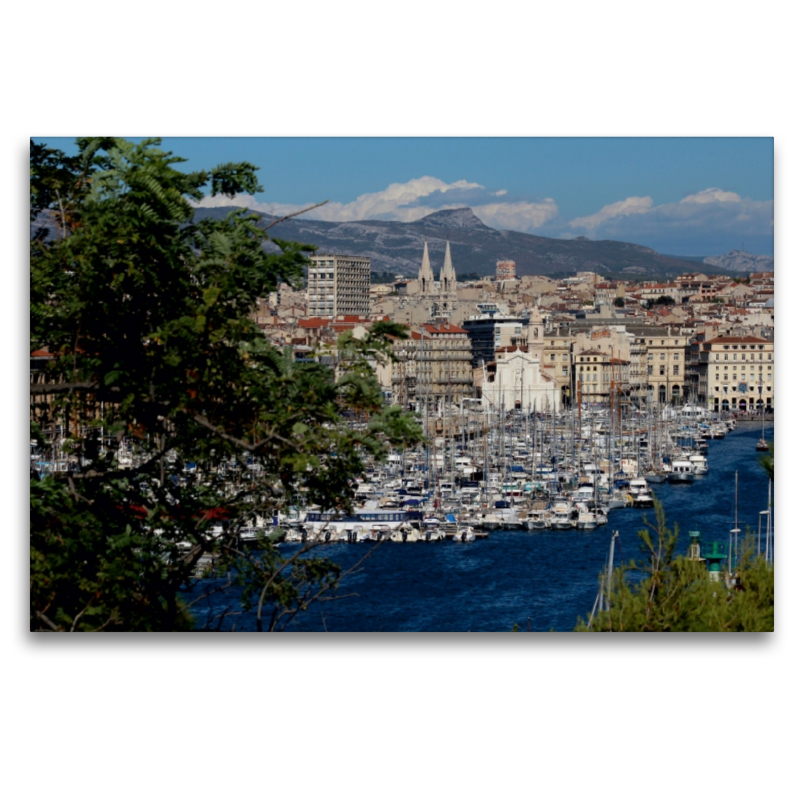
(712, 196)
(410, 201)
(711, 211)
(623, 208)
(397, 201)
(520, 216)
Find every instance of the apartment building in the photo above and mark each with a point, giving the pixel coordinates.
(739, 373)
(338, 285)
(599, 377)
(666, 365)
(433, 366)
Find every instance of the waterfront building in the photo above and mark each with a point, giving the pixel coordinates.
(600, 377)
(433, 367)
(518, 379)
(557, 353)
(666, 363)
(338, 285)
(739, 373)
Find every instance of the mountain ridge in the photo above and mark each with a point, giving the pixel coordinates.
(396, 247)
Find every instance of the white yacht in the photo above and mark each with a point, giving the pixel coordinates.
(682, 472)
(561, 517)
(699, 464)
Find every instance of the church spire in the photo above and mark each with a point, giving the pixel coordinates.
(447, 277)
(447, 285)
(425, 273)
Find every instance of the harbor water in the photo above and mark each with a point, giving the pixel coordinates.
(540, 580)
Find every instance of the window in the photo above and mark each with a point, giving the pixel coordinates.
(675, 369)
(726, 356)
(760, 356)
(661, 370)
(649, 369)
(675, 357)
(663, 356)
(552, 356)
(716, 357)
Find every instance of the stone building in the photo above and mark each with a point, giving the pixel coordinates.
(739, 373)
(433, 367)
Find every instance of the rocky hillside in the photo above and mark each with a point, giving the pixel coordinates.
(396, 247)
(741, 261)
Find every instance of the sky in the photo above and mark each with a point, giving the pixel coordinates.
(679, 195)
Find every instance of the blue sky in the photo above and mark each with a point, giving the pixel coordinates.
(685, 196)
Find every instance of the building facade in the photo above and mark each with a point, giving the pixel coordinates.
(600, 377)
(433, 367)
(739, 373)
(338, 285)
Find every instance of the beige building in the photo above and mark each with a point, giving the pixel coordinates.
(666, 365)
(600, 377)
(338, 285)
(433, 367)
(557, 360)
(740, 373)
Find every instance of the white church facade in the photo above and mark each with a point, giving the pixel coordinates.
(518, 378)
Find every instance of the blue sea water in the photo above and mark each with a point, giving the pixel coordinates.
(543, 580)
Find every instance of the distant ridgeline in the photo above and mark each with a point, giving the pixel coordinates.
(394, 247)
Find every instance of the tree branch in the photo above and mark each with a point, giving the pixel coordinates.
(296, 213)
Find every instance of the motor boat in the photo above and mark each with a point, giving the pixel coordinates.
(682, 472)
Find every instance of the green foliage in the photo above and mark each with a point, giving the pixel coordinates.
(669, 592)
(147, 316)
(619, 302)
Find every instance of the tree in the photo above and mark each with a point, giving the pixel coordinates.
(669, 592)
(619, 302)
(157, 375)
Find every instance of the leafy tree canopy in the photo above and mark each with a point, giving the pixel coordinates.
(162, 409)
(669, 592)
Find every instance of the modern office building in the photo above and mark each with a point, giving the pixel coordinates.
(338, 285)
